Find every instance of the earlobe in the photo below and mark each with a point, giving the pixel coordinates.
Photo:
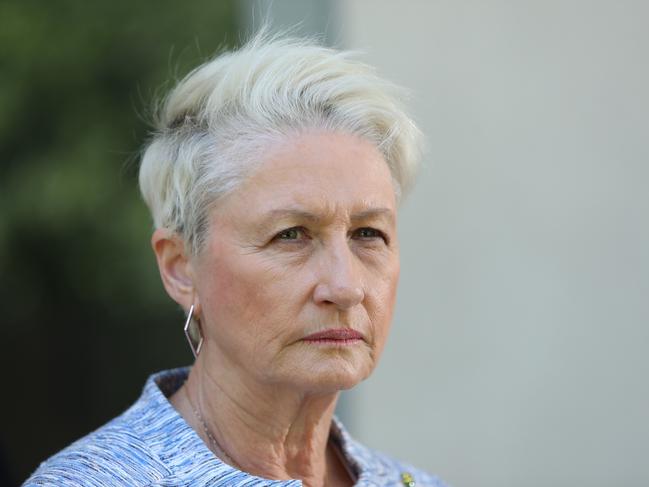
(174, 266)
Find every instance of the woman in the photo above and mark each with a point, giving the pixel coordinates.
(273, 179)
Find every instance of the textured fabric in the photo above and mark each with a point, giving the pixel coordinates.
(151, 445)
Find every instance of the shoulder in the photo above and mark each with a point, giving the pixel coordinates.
(112, 455)
(136, 448)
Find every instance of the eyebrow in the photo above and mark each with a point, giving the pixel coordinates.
(298, 214)
(374, 213)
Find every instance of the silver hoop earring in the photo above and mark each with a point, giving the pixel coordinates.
(193, 333)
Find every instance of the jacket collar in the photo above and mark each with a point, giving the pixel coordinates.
(160, 426)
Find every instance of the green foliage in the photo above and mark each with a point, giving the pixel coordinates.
(84, 313)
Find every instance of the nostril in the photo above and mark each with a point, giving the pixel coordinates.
(341, 296)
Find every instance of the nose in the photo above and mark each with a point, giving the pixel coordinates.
(339, 279)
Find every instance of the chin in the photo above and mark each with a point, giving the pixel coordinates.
(327, 385)
(330, 377)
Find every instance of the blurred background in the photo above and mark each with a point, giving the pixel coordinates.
(518, 351)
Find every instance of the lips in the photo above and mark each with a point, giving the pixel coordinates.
(334, 334)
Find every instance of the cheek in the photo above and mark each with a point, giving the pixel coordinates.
(383, 302)
(245, 298)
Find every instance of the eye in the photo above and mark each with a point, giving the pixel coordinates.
(294, 233)
(367, 233)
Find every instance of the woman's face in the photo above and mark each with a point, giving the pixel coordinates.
(306, 244)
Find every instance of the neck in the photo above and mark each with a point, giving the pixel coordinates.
(270, 432)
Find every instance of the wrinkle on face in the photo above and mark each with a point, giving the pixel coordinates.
(257, 291)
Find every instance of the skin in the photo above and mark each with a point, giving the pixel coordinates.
(307, 243)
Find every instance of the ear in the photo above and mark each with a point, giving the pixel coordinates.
(175, 267)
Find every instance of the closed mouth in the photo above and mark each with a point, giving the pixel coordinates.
(334, 335)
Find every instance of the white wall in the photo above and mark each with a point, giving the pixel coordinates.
(519, 348)
(518, 353)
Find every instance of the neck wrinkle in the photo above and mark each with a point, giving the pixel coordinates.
(270, 433)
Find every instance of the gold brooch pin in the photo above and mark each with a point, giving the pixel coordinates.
(407, 480)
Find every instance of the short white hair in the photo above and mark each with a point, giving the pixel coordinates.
(212, 128)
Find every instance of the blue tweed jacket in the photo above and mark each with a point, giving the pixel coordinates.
(151, 445)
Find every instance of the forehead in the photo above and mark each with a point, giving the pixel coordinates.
(326, 169)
